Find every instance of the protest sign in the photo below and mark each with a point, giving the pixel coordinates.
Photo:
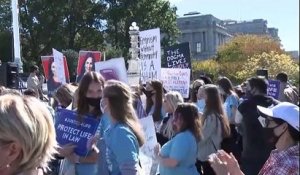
(52, 73)
(70, 130)
(59, 62)
(112, 69)
(176, 80)
(147, 150)
(150, 55)
(273, 88)
(178, 56)
(86, 62)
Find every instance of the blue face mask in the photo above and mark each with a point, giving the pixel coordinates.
(201, 105)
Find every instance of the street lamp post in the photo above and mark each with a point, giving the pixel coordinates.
(133, 71)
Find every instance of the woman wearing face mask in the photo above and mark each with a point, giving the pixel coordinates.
(89, 96)
(154, 94)
(170, 103)
(178, 156)
(281, 126)
(201, 99)
(215, 128)
(231, 100)
(124, 137)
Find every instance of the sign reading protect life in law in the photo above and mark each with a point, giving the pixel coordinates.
(113, 69)
(273, 88)
(176, 80)
(178, 56)
(70, 130)
(150, 54)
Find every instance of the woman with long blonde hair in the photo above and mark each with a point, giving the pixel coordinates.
(124, 137)
(170, 103)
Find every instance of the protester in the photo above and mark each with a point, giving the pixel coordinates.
(64, 95)
(178, 156)
(231, 102)
(281, 125)
(125, 136)
(27, 136)
(215, 128)
(170, 103)
(34, 82)
(89, 96)
(201, 99)
(154, 94)
(287, 92)
(194, 91)
(87, 66)
(240, 93)
(137, 101)
(255, 149)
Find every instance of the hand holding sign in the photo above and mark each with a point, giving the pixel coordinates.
(69, 130)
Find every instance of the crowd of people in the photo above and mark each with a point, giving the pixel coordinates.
(221, 129)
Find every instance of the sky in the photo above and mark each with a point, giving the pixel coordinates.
(281, 14)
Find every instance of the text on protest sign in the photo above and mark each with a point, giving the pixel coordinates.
(70, 130)
(178, 56)
(59, 62)
(273, 88)
(176, 80)
(150, 54)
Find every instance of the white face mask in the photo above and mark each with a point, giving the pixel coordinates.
(102, 106)
(201, 105)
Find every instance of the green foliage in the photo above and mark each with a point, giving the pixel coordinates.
(243, 47)
(6, 49)
(72, 60)
(209, 66)
(86, 25)
(146, 13)
(274, 62)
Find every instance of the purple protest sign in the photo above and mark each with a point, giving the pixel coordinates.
(273, 88)
(70, 130)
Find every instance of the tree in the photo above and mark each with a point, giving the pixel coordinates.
(146, 13)
(274, 62)
(232, 55)
(6, 46)
(72, 60)
(209, 66)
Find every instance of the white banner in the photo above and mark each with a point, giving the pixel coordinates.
(59, 63)
(150, 54)
(176, 80)
(112, 69)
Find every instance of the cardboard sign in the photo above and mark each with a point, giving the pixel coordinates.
(52, 71)
(273, 88)
(176, 80)
(59, 62)
(178, 56)
(147, 150)
(112, 69)
(70, 130)
(150, 55)
(86, 62)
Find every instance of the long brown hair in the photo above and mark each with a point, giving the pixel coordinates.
(194, 90)
(121, 108)
(158, 88)
(82, 104)
(214, 105)
(191, 119)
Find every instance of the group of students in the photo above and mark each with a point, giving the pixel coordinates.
(190, 132)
